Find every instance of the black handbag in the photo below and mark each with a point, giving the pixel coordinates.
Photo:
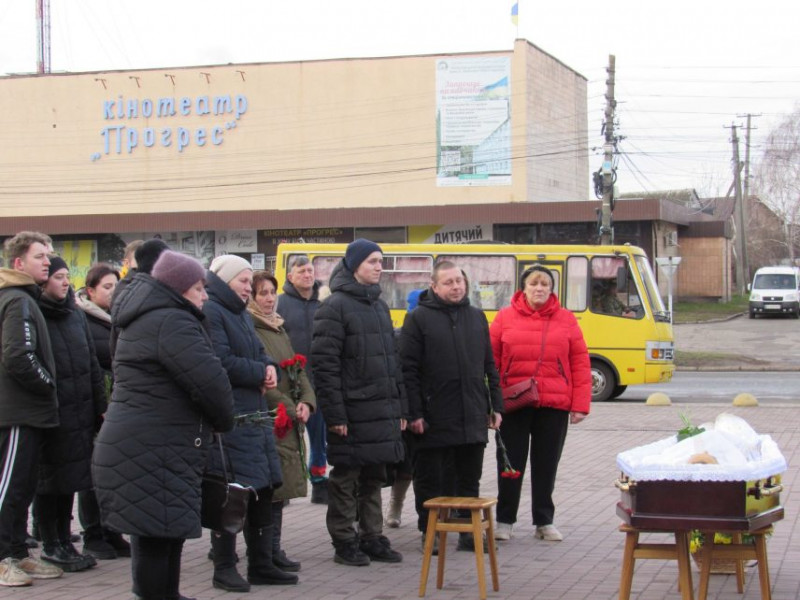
(224, 502)
(525, 393)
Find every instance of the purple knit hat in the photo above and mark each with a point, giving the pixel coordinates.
(178, 271)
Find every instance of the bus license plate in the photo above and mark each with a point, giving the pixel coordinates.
(772, 306)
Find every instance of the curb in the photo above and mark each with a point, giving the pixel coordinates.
(743, 369)
(719, 320)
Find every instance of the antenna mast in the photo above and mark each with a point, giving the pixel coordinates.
(43, 36)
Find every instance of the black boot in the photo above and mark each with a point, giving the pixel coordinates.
(279, 558)
(260, 568)
(226, 577)
(319, 492)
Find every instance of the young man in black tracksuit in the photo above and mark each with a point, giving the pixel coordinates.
(28, 404)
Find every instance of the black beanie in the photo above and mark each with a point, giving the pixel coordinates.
(56, 264)
(178, 271)
(147, 254)
(531, 270)
(358, 251)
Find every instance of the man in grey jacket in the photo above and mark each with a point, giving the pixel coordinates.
(28, 402)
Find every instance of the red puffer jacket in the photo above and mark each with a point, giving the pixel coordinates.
(565, 377)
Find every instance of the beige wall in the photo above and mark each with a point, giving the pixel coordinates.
(556, 150)
(704, 271)
(321, 134)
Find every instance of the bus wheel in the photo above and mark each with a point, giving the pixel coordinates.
(603, 382)
(619, 390)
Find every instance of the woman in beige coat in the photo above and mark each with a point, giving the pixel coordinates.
(296, 396)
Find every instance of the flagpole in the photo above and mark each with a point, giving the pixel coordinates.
(515, 16)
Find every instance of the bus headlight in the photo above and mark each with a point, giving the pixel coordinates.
(660, 350)
(790, 297)
(755, 297)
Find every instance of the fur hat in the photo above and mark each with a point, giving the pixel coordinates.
(56, 264)
(178, 271)
(147, 254)
(228, 266)
(358, 251)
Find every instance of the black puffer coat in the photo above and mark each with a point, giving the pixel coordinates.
(446, 355)
(170, 393)
(298, 320)
(251, 448)
(65, 465)
(357, 374)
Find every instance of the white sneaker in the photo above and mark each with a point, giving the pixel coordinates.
(39, 569)
(502, 531)
(549, 533)
(11, 575)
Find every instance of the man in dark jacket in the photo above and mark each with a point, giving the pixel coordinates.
(360, 391)
(297, 305)
(28, 403)
(447, 364)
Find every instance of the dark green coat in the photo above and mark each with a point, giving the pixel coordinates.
(291, 448)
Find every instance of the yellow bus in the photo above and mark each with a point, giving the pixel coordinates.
(611, 290)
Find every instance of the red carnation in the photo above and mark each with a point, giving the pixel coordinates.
(300, 360)
(282, 424)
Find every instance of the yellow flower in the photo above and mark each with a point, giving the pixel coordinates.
(722, 538)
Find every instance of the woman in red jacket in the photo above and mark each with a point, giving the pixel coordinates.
(536, 337)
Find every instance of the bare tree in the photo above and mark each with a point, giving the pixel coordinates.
(777, 177)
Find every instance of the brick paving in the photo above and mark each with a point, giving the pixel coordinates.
(585, 565)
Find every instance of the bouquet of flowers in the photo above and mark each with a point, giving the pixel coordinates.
(508, 471)
(293, 366)
(278, 417)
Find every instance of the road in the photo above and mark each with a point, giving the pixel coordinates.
(703, 386)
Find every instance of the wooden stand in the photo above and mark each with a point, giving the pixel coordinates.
(441, 522)
(633, 549)
(739, 552)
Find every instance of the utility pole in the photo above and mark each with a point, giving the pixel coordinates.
(738, 215)
(608, 172)
(746, 195)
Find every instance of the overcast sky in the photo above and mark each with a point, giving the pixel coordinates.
(684, 69)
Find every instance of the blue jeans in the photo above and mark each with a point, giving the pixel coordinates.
(318, 438)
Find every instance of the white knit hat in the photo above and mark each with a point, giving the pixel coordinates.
(228, 266)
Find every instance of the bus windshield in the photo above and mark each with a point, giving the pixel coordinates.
(659, 311)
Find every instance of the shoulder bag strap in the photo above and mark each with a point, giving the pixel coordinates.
(229, 476)
(541, 352)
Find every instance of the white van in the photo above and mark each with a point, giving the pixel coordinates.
(775, 291)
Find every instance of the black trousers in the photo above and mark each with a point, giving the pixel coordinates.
(448, 471)
(156, 567)
(20, 449)
(53, 515)
(543, 432)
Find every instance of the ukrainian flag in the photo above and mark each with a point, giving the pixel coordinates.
(515, 13)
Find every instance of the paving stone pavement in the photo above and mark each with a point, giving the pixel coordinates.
(585, 565)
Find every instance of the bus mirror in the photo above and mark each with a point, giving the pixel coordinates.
(622, 278)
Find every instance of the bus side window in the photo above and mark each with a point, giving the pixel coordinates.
(491, 279)
(577, 283)
(402, 275)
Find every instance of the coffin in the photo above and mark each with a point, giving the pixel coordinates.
(661, 490)
(704, 505)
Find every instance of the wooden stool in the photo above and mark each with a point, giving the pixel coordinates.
(633, 549)
(739, 552)
(441, 522)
